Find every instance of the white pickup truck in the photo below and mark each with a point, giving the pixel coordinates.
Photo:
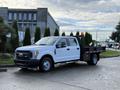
(51, 50)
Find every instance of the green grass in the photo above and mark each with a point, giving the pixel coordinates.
(6, 61)
(109, 53)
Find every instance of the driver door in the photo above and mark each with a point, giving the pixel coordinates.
(62, 51)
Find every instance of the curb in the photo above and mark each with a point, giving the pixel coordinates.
(3, 70)
(7, 66)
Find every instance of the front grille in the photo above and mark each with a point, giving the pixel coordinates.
(23, 55)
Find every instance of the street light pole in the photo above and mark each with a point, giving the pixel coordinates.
(96, 37)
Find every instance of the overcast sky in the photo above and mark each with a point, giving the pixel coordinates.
(74, 15)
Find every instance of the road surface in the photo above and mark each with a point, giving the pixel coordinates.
(80, 76)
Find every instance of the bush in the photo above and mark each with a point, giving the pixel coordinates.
(63, 34)
(47, 32)
(88, 39)
(27, 38)
(15, 41)
(5, 30)
(56, 33)
(77, 33)
(37, 34)
(5, 55)
(71, 34)
(9, 48)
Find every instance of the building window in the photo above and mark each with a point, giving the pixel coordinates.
(20, 26)
(10, 16)
(20, 16)
(34, 26)
(34, 16)
(15, 16)
(29, 16)
(25, 16)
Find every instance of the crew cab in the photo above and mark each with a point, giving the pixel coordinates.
(55, 49)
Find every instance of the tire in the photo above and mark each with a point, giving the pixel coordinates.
(93, 60)
(46, 64)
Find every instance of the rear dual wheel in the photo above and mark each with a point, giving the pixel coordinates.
(93, 59)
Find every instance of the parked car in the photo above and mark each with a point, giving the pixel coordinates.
(116, 46)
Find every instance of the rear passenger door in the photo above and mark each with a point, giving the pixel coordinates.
(74, 49)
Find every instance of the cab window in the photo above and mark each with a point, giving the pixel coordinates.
(72, 42)
(62, 43)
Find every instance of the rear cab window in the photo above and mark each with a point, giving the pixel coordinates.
(72, 42)
(62, 40)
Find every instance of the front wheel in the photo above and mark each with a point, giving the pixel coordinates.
(46, 64)
(93, 60)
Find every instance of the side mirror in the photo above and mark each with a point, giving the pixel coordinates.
(57, 46)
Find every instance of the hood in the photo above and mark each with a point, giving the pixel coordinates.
(32, 47)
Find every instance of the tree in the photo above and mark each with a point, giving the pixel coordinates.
(15, 41)
(56, 33)
(27, 38)
(77, 33)
(116, 35)
(113, 36)
(63, 34)
(71, 34)
(37, 34)
(4, 31)
(88, 38)
(47, 32)
(82, 41)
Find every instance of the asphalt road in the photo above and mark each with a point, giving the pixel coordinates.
(104, 76)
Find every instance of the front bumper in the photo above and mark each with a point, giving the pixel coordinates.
(27, 63)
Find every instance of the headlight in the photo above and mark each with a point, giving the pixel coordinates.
(36, 53)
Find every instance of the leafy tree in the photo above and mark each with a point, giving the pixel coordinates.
(56, 33)
(63, 34)
(116, 35)
(47, 32)
(4, 31)
(71, 34)
(37, 34)
(82, 39)
(113, 36)
(88, 38)
(27, 38)
(15, 41)
(77, 33)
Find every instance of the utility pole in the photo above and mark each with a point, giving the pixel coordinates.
(96, 37)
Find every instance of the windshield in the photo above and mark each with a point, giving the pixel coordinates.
(46, 41)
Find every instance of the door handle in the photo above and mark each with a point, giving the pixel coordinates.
(77, 48)
(68, 49)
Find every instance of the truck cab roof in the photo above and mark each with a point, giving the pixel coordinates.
(62, 36)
